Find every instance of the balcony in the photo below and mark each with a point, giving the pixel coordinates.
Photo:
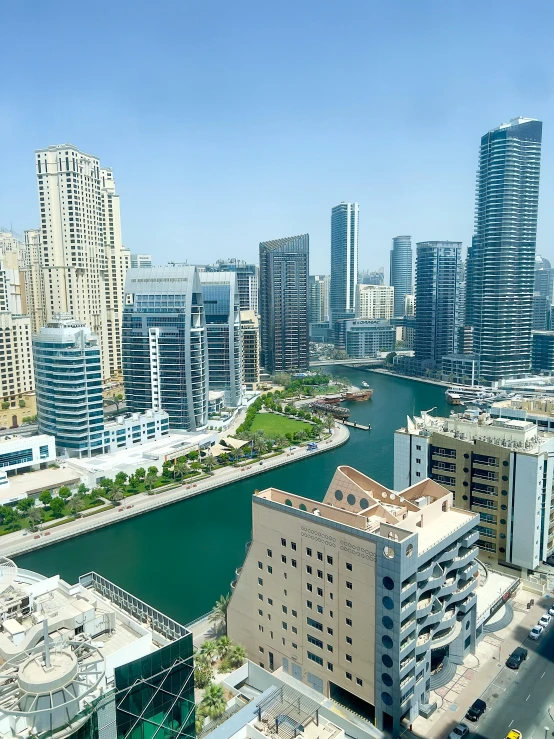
(467, 604)
(406, 644)
(423, 643)
(425, 572)
(407, 605)
(449, 587)
(464, 590)
(424, 606)
(469, 571)
(408, 586)
(406, 664)
(407, 624)
(467, 555)
(436, 615)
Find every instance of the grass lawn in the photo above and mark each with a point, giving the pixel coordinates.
(273, 425)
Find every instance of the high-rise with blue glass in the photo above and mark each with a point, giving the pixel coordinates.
(344, 260)
(401, 271)
(501, 263)
(165, 348)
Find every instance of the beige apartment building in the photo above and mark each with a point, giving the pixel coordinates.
(351, 595)
(82, 261)
(250, 326)
(374, 301)
(500, 468)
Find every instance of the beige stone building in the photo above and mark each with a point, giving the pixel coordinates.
(374, 301)
(351, 595)
(250, 326)
(81, 257)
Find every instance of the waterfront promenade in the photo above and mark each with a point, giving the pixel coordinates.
(17, 543)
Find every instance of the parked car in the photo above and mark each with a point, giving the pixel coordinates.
(515, 659)
(551, 611)
(514, 734)
(535, 632)
(459, 731)
(476, 710)
(545, 620)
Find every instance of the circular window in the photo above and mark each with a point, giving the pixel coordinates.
(504, 492)
(386, 660)
(502, 536)
(386, 641)
(466, 469)
(387, 622)
(388, 552)
(386, 698)
(465, 483)
(501, 549)
(504, 507)
(288, 502)
(464, 497)
(350, 499)
(503, 521)
(466, 456)
(364, 503)
(338, 494)
(387, 679)
(302, 507)
(409, 550)
(388, 583)
(505, 478)
(505, 463)
(388, 603)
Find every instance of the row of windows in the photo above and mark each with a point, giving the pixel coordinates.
(309, 553)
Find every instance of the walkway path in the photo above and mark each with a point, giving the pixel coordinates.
(18, 543)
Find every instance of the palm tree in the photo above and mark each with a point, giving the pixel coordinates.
(116, 494)
(180, 468)
(237, 655)
(214, 703)
(209, 462)
(34, 518)
(219, 614)
(209, 649)
(224, 644)
(329, 421)
(281, 442)
(149, 481)
(76, 504)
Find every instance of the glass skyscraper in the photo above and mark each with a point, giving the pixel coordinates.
(223, 327)
(247, 280)
(165, 348)
(401, 271)
(501, 263)
(344, 259)
(319, 298)
(284, 267)
(438, 295)
(542, 298)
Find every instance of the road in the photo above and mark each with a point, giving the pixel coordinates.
(521, 699)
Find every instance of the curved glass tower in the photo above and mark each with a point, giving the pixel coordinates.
(501, 263)
(344, 259)
(401, 271)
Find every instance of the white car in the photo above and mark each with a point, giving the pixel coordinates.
(545, 620)
(535, 632)
(551, 611)
(459, 731)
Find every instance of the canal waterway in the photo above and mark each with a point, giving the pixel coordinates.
(181, 558)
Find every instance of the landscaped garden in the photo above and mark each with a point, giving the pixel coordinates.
(274, 426)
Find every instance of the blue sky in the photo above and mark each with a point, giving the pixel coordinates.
(230, 123)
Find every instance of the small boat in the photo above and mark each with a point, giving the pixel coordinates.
(364, 384)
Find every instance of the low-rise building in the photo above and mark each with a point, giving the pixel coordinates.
(463, 369)
(129, 429)
(365, 337)
(18, 453)
(352, 596)
(89, 661)
(501, 469)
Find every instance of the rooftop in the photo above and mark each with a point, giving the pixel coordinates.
(31, 483)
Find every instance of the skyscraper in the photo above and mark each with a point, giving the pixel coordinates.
(82, 259)
(223, 327)
(437, 319)
(374, 301)
(165, 348)
(542, 297)
(319, 298)
(247, 280)
(284, 267)
(344, 259)
(401, 271)
(501, 263)
(68, 383)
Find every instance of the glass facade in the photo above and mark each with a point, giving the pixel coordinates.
(501, 261)
(401, 271)
(344, 258)
(284, 268)
(319, 298)
(155, 694)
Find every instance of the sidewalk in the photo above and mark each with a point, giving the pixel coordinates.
(480, 670)
(13, 544)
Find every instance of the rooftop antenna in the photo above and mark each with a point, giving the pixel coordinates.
(46, 638)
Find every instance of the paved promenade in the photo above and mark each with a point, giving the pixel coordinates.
(17, 543)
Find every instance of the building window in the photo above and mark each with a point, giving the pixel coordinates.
(315, 658)
(309, 586)
(314, 641)
(329, 560)
(284, 625)
(349, 640)
(349, 622)
(320, 609)
(309, 604)
(295, 613)
(418, 461)
(330, 631)
(349, 566)
(329, 578)
(349, 676)
(260, 566)
(348, 658)
(314, 624)
(329, 647)
(270, 569)
(308, 569)
(320, 574)
(260, 581)
(308, 551)
(320, 592)
(293, 562)
(294, 645)
(418, 447)
(269, 553)
(261, 649)
(349, 585)
(283, 542)
(330, 666)
(293, 546)
(359, 681)
(283, 559)
(294, 630)
(260, 612)
(418, 474)
(260, 627)
(270, 601)
(284, 609)
(320, 556)
(349, 604)
(260, 596)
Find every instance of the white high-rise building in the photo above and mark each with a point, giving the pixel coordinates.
(82, 259)
(344, 259)
(375, 301)
(140, 261)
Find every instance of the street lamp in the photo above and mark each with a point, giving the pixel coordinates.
(546, 730)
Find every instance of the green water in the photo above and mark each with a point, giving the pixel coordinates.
(182, 557)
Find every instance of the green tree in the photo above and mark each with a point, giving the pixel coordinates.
(224, 644)
(209, 462)
(45, 497)
(180, 468)
(219, 614)
(82, 489)
(106, 484)
(203, 673)
(121, 478)
(75, 505)
(133, 484)
(236, 656)
(116, 494)
(150, 480)
(22, 403)
(166, 468)
(34, 519)
(214, 702)
(64, 492)
(152, 470)
(25, 504)
(140, 474)
(5, 405)
(209, 649)
(195, 465)
(57, 506)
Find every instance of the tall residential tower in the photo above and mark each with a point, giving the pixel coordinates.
(284, 266)
(501, 263)
(344, 259)
(401, 271)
